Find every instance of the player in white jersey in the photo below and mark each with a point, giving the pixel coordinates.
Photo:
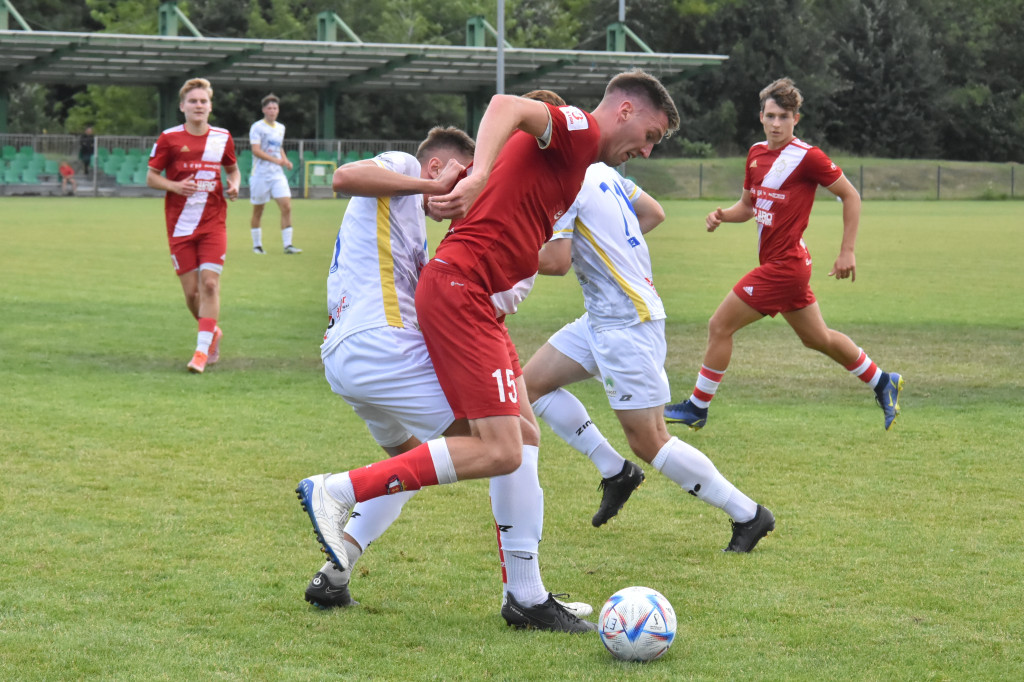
(621, 340)
(268, 181)
(373, 352)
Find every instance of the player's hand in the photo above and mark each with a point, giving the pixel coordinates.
(714, 219)
(231, 191)
(186, 187)
(449, 175)
(845, 266)
(286, 163)
(456, 203)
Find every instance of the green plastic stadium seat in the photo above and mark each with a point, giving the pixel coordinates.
(29, 177)
(351, 156)
(117, 151)
(124, 176)
(51, 166)
(27, 149)
(139, 176)
(368, 155)
(11, 176)
(9, 152)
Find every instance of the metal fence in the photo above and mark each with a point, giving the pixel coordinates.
(898, 179)
(107, 178)
(663, 178)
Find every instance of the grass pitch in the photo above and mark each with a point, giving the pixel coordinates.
(149, 529)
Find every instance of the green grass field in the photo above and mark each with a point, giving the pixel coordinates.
(149, 529)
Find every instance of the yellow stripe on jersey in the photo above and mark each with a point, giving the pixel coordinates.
(638, 302)
(386, 262)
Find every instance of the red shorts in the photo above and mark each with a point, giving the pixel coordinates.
(194, 250)
(777, 287)
(474, 358)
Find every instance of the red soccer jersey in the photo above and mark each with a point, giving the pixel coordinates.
(183, 156)
(782, 183)
(529, 188)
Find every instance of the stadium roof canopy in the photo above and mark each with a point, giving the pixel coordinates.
(112, 59)
(329, 68)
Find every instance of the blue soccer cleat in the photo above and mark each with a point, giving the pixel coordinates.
(686, 413)
(888, 398)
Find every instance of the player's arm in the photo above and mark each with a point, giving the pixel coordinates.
(504, 115)
(368, 179)
(649, 212)
(157, 180)
(846, 263)
(234, 181)
(740, 212)
(284, 161)
(556, 257)
(258, 152)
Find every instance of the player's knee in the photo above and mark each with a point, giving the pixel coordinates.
(505, 459)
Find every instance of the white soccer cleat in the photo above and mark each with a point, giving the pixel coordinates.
(577, 608)
(328, 517)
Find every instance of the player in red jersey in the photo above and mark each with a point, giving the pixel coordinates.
(191, 155)
(783, 174)
(529, 164)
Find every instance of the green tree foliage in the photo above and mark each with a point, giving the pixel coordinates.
(912, 78)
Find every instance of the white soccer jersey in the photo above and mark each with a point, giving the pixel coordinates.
(270, 138)
(380, 250)
(609, 254)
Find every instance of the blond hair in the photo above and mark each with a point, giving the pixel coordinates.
(546, 96)
(192, 84)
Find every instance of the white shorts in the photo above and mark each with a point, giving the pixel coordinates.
(630, 361)
(263, 189)
(385, 374)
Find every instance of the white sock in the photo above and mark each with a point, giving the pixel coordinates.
(568, 418)
(691, 469)
(286, 236)
(339, 486)
(203, 341)
(517, 502)
(371, 518)
(257, 236)
(336, 577)
(524, 582)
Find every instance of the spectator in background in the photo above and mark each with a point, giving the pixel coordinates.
(86, 149)
(67, 177)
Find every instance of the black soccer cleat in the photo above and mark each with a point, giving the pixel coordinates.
(549, 615)
(617, 490)
(745, 536)
(321, 594)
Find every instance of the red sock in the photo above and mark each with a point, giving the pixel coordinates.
(207, 324)
(409, 471)
(865, 369)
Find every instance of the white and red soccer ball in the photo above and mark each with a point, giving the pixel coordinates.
(637, 624)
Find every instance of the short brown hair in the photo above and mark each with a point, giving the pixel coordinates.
(546, 96)
(451, 138)
(639, 82)
(193, 83)
(268, 99)
(785, 94)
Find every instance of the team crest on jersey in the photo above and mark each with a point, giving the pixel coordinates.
(574, 118)
(395, 485)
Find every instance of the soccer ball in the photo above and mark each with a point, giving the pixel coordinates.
(637, 624)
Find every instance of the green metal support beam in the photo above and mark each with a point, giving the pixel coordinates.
(170, 16)
(167, 105)
(327, 25)
(228, 62)
(7, 10)
(616, 38)
(5, 103)
(477, 30)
